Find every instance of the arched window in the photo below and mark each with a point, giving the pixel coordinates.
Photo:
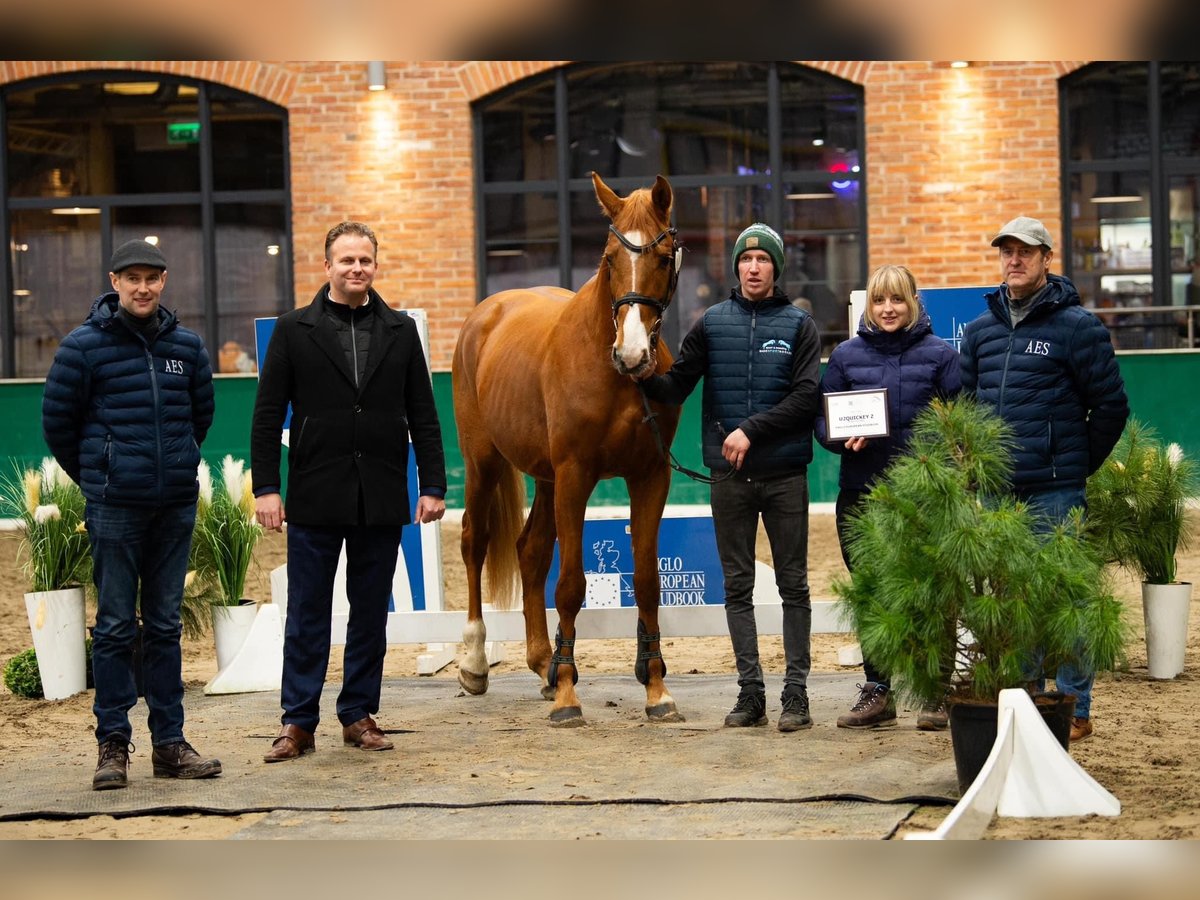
(91, 161)
(1131, 172)
(740, 143)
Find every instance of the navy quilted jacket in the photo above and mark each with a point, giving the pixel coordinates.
(1054, 379)
(125, 419)
(760, 363)
(915, 366)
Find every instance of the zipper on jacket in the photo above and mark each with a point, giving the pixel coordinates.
(107, 464)
(354, 347)
(1012, 335)
(750, 363)
(157, 422)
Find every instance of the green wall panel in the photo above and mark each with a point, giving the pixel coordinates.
(1161, 390)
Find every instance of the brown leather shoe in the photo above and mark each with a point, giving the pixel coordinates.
(1080, 728)
(292, 743)
(365, 735)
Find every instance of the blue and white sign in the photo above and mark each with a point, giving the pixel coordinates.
(689, 571)
(950, 309)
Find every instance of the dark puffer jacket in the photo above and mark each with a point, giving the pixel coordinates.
(125, 419)
(915, 366)
(1054, 379)
(760, 363)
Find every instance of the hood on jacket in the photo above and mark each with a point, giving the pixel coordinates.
(105, 312)
(1058, 293)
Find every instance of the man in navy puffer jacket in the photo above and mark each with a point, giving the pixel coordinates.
(759, 356)
(127, 403)
(1047, 366)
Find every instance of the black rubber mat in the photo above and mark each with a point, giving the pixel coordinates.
(491, 755)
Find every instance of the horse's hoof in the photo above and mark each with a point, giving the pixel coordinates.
(548, 692)
(567, 717)
(472, 683)
(664, 712)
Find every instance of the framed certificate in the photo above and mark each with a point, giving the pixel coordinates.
(851, 414)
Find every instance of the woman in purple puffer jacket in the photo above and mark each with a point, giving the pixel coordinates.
(895, 348)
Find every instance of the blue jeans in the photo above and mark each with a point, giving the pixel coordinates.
(149, 545)
(312, 563)
(1051, 507)
(783, 504)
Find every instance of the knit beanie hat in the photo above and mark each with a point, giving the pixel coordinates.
(760, 237)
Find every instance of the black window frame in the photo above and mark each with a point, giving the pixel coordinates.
(206, 198)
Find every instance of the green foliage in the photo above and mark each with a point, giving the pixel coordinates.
(55, 552)
(225, 536)
(950, 573)
(21, 675)
(1137, 504)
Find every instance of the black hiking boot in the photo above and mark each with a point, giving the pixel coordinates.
(795, 715)
(749, 711)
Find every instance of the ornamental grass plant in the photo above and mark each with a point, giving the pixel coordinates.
(1138, 504)
(224, 539)
(954, 590)
(49, 506)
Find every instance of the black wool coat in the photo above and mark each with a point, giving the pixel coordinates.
(346, 440)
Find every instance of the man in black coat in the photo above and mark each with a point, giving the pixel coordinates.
(355, 375)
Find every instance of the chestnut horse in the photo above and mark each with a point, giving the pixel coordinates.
(545, 384)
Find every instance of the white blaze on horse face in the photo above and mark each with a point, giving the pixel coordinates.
(633, 341)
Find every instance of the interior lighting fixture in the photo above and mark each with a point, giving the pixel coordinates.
(76, 211)
(376, 76)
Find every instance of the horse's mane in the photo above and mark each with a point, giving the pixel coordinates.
(638, 214)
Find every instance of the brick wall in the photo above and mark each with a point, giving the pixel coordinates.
(951, 154)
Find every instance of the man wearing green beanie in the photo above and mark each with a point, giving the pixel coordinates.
(759, 357)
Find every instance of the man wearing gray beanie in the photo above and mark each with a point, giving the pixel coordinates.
(127, 404)
(759, 357)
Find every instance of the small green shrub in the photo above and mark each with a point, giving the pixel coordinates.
(23, 678)
(21, 675)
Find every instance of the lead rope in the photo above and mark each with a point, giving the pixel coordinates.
(651, 419)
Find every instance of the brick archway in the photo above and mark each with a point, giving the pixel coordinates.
(266, 80)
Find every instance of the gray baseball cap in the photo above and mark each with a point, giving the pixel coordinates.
(1027, 231)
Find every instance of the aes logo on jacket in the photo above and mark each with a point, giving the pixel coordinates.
(1040, 348)
(173, 367)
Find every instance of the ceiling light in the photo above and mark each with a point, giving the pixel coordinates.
(1116, 198)
(272, 249)
(151, 239)
(76, 211)
(815, 195)
(506, 253)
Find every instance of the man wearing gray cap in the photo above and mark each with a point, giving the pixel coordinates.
(1047, 366)
(127, 403)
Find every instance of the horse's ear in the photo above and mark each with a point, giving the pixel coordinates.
(661, 195)
(609, 201)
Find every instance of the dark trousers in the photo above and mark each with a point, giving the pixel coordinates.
(138, 552)
(312, 563)
(783, 505)
(848, 501)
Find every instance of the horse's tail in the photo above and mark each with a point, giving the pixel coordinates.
(506, 518)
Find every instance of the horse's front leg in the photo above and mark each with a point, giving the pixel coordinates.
(570, 503)
(647, 498)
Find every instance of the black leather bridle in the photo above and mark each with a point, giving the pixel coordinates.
(633, 297)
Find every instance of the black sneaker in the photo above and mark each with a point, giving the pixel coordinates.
(795, 716)
(179, 760)
(112, 768)
(749, 711)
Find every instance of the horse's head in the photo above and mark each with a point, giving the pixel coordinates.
(641, 265)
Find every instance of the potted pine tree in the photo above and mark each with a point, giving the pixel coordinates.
(954, 590)
(1138, 517)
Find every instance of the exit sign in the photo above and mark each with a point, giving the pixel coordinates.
(183, 132)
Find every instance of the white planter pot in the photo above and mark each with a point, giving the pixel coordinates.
(1165, 608)
(56, 619)
(231, 624)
